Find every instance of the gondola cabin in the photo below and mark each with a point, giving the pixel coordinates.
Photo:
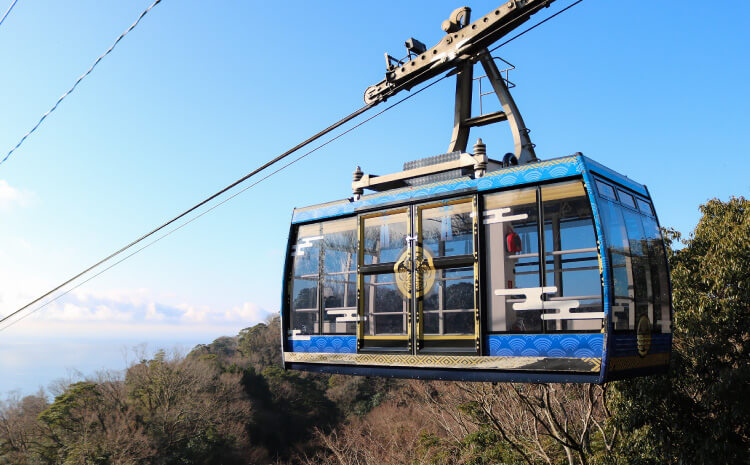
(461, 267)
(546, 272)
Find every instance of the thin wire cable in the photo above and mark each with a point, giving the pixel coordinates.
(536, 25)
(78, 81)
(193, 208)
(213, 207)
(208, 199)
(244, 178)
(7, 12)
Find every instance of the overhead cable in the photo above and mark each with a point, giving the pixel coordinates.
(78, 81)
(7, 12)
(535, 25)
(202, 203)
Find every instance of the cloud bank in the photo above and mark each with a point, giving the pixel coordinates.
(136, 314)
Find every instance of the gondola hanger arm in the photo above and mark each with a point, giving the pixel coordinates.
(463, 43)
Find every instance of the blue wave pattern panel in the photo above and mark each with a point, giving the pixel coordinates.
(528, 174)
(545, 345)
(625, 345)
(326, 344)
(513, 176)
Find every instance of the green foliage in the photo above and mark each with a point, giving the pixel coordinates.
(698, 412)
(193, 413)
(436, 449)
(300, 402)
(357, 395)
(485, 447)
(260, 344)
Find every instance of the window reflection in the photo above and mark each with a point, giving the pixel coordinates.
(304, 305)
(623, 308)
(571, 264)
(447, 230)
(659, 276)
(339, 282)
(638, 265)
(324, 277)
(448, 308)
(571, 255)
(511, 226)
(385, 307)
(385, 237)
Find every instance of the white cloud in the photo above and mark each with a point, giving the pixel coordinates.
(10, 196)
(96, 313)
(248, 312)
(152, 314)
(77, 313)
(192, 314)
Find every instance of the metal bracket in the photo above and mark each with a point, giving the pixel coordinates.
(463, 122)
(464, 45)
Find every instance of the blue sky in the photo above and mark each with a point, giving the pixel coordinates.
(203, 92)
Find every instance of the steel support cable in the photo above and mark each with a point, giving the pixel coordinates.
(191, 209)
(244, 178)
(78, 81)
(7, 12)
(535, 25)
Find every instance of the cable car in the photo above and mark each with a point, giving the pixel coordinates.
(463, 267)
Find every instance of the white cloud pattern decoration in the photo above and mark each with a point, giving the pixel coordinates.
(533, 301)
(296, 335)
(347, 315)
(498, 216)
(304, 243)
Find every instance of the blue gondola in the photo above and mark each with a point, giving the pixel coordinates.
(465, 268)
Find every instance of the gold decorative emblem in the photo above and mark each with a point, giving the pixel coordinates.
(643, 339)
(424, 268)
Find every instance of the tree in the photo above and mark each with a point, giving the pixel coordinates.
(520, 423)
(192, 411)
(89, 424)
(260, 345)
(19, 429)
(698, 413)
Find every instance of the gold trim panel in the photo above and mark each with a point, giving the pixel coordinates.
(448, 337)
(629, 363)
(451, 361)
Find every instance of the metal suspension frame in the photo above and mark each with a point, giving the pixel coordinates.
(463, 122)
(464, 45)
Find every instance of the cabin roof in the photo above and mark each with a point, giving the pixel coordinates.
(514, 176)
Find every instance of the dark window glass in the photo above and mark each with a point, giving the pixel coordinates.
(571, 260)
(606, 190)
(384, 306)
(623, 309)
(641, 266)
(626, 199)
(511, 227)
(448, 307)
(659, 276)
(645, 207)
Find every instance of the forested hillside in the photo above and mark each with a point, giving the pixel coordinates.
(229, 402)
